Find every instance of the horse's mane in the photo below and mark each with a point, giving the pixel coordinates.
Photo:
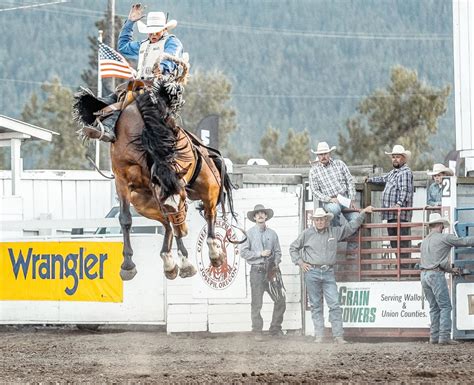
(159, 140)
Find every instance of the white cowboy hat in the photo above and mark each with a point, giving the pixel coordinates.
(320, 213)
(438, 168)
(323, 148)
(437, 218)
(155, 22)
(256, 209)
(399, 150)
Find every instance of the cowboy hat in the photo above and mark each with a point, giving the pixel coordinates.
(323, 148)
(256, 209)
(438, 168)
(155, 22)
(399, 150)
(436, 218)
(320, 213)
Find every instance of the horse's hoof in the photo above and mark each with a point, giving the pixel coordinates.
(172, 274)
(128, 275)
(187, 271)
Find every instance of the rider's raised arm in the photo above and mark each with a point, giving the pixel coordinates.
(126, 45)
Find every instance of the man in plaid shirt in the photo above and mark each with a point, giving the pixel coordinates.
(328, 179)
(398, 192)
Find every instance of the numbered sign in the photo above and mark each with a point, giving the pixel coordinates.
(308, 196)
(446, 187)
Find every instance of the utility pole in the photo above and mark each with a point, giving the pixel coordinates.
(111, 5)
(99, 95)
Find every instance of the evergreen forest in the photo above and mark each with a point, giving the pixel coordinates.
(294, 65)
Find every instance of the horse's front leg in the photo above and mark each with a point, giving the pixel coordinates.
(215, 253)
(127, 269)
(186, 269)
(169, 265)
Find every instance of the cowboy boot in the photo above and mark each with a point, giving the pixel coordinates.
(109, 125)
(109, 99)
(103, 130)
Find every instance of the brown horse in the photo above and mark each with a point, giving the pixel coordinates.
(157, 166)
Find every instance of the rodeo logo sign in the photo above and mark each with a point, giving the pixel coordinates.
(223, 276)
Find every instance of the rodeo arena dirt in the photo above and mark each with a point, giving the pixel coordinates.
(61, 355)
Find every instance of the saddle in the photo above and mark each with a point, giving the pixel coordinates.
(90, 111)
(126, 93)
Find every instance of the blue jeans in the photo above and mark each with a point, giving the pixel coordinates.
(319, 283)
(258, 286)
(436, 292)
(336, 210)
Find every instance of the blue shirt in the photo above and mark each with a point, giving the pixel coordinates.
(130, 48)
(434, 194)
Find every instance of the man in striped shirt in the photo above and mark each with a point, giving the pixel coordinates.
(331, 181)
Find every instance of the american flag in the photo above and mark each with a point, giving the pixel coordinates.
(112, 64)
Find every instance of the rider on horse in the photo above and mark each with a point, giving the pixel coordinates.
(149, 53)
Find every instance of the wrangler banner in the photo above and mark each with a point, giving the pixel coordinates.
(61, 271)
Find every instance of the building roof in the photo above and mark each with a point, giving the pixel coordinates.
(15, 129)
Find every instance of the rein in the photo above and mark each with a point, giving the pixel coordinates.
(238, 228)
(97, 169)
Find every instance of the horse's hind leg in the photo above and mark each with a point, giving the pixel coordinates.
(127, 269)
(186, 269)
(169, 265)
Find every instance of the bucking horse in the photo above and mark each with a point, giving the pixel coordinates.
(157, 166)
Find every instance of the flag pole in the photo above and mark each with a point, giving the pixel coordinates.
(99, 80)
(112, 31)
(99, 95)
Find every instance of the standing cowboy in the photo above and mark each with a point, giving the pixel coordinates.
(261, 245)
(314, 251)
(148, 52)
(398, 192)
(434, 263)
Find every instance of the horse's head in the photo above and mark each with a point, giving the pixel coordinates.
(222, 244)
(221, 272)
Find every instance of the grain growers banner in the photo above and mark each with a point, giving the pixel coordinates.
(61, 271)
(382, 304)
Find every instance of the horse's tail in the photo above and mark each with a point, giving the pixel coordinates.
(226, 186)
(159, 141)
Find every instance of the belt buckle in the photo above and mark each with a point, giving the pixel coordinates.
(325, 267)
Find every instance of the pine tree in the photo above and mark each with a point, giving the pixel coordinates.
(296, 149)
(294, 152)
(269, 146)
(209, 93)
(54, 113)
(406, 112)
